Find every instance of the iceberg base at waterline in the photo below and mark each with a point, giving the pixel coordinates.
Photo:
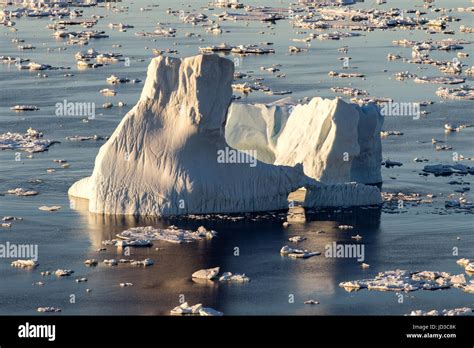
(162, 159)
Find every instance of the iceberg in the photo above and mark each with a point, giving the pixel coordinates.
(164, 159)
(336, 142)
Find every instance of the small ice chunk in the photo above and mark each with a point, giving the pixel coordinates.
(111, 262)
(297, 253)
(238, 278)
(63, 272)
(210, 312)
(145, 263)
(48, 309)
(91, 262)
(50, 208)
(25, 264)
(296, 239)
(209, 273)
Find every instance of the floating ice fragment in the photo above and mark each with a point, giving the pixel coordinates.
(63, 272)
(24, 264)
(48, 309)
(22, 192)
(297, 253)
(171, 234)
(111, 262)
(238, 278)
(50, 208)
(209, 273)
(297, 239)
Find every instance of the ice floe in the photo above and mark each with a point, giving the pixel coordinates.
(24, 264)
(463, 311)
(63, 272)
(171, 234)
(297, 253)
(402, 280)
(234, 277)
(197, 309)
(32, 141)
(48, 310)
(209, 273)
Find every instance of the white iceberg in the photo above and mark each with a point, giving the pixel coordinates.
(163, 158)
(336, 142)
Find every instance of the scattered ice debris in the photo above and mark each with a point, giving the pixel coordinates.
(463, 92)
(345, 75)
(209, 312)
(364, 265)
(50, 208)
(84, 138)
(108, 92)
(445, 312)
(45, 273)
(251, 49)
(63, 272)
(401, 280)
(6, 225)
(448, 127)
(111, 262)
(297, 253)
(210, 273)
(388, 133)
(286, 224)
(22, 192)
(91, 262)
(114, 80)
(25, 264)
(145, 263)
(123, 285)
(238, 278)
(440, 80)
(217, 48)
(31, 141)
(296, 239)
(48, 309)
(39, 283)
(24, 108)
(311, 302)
(345, 227)
(463, 262)
(171, 234)
(357, 237)
(353, 92)
(405, 75)
(198, 309)
(81, 280)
